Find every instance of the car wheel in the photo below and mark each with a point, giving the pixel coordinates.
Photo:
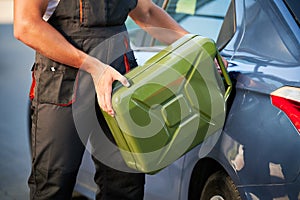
(219, 186)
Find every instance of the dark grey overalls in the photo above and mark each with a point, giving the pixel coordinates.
(64, 110)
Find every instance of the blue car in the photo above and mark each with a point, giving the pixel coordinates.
(257, 153)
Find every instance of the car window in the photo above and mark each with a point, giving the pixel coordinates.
(203, 17)
(294, 7)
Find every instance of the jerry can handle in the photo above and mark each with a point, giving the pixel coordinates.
(225, 75)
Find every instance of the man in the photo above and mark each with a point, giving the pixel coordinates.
(64, 33)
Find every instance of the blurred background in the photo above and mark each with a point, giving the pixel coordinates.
(16, 60)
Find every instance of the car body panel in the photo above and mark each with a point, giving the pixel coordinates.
(259, 147)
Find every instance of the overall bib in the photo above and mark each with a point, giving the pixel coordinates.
(64, 110)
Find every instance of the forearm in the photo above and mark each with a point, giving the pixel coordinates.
(43, 38)
(32, 30)
(157, 22)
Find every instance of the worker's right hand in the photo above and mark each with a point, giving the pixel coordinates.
(103, 77)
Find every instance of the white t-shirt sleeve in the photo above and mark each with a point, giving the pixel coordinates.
(52, 4)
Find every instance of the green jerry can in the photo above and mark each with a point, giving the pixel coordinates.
(176, 100)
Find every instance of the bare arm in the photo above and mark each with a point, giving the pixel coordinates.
(31, 29)
(156, 22)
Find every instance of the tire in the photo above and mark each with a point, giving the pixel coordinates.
(219, 186)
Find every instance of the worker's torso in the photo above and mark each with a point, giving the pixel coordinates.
(93, 26)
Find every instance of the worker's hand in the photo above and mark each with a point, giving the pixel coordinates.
(217, 64)
(103, 77)
(103, 81)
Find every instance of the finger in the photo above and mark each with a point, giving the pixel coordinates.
(107, 101)
(225, 62)
(216, 62)
(123, 80)
(101, 102)
(119, 77)
(101, 99)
